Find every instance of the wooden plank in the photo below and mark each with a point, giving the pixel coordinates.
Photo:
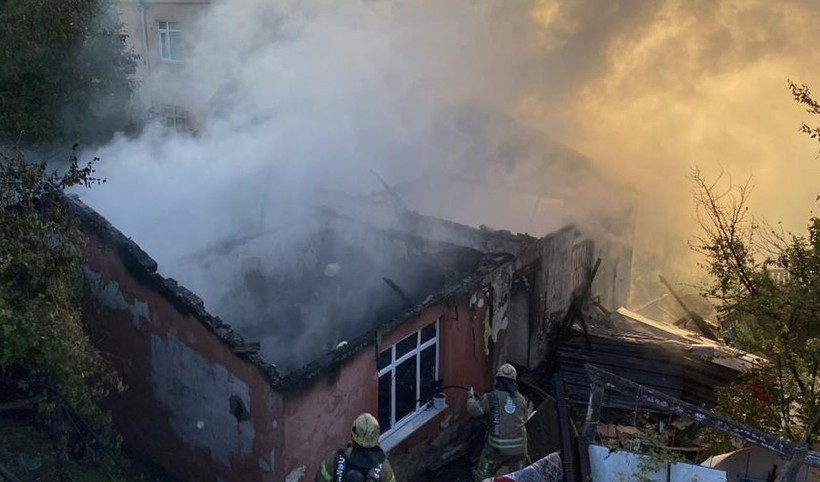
(596, 398)
(681, 408)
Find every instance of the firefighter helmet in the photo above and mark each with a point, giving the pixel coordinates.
(507, 371)
(366, 430)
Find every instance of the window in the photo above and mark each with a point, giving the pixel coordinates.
(175, 118)
(170, 41)
(407, 373)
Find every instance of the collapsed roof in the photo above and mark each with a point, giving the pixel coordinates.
(300, 290)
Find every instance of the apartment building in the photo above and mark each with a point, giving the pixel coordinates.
(160, 32)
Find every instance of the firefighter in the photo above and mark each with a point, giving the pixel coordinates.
(506, 448)
(362, 460)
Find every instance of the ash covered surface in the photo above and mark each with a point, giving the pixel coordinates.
(301, 289)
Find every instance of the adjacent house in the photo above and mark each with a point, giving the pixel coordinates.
(366, 309)
(160, 33)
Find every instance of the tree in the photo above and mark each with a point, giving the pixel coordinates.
(65, 74)
(767, 285)
(44, 347)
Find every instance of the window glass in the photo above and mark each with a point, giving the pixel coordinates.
(175, 40)
(403, 347)
(427, 373)
(165, 50)
(385, 401)
(406, 388)
(385, 358)
(429, 332)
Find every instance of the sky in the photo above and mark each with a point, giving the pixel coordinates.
(676, 84)
(311, 94)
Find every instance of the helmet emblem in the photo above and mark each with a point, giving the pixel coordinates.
(509, 406)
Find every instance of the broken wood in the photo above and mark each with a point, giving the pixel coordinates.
(398, 204)
(678, 407)
(704, 327)
(398, 290)
(566, 428)
(579, 300)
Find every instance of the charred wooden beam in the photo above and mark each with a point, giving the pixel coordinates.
(566, 427)
(696, 318)
(398, 290)
(579, 300)
(683, 409)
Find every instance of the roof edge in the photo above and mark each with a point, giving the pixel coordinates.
(144, 268)
(334, 358)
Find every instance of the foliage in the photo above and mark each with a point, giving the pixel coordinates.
(767, 284)
(65, 74)
(43, 343)
(654, 443)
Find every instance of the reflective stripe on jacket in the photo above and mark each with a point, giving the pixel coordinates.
(507, 418)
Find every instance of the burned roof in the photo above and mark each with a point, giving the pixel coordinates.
(301, 290)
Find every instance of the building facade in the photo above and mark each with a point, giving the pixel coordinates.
(160, 33)
(203, 404)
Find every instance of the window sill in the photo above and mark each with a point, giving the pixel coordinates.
(408, 426)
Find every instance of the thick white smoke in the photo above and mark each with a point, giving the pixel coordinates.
(295, 98)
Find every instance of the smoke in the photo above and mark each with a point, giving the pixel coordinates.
(294, 99)
(702, 83)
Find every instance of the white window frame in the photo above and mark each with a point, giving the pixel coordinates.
(175, 118)
(164, 29)
(423, 412)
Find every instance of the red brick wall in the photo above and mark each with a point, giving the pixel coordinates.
(180, 377)
(318, 418)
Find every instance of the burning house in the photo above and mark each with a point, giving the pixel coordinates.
(365, 308)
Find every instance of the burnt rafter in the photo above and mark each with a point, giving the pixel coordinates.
(609, 381)
(580, 299)
(393, 286)
(702, 325)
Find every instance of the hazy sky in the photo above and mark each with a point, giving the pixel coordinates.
(669, 85)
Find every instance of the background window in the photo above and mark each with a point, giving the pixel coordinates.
(170, 41)
(175, 118)
(407, 371)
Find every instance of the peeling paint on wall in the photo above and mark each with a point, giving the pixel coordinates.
(196, 392)
(501, 284)
(111, 296)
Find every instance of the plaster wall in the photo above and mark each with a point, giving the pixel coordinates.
(180, 378)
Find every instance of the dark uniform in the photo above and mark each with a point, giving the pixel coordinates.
(506, 447)
(356, 463)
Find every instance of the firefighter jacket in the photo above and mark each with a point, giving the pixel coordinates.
(372, 463)
(507, 419)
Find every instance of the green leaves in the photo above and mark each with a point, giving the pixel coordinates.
(42, 337)
(767, 286)
(58, 60)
